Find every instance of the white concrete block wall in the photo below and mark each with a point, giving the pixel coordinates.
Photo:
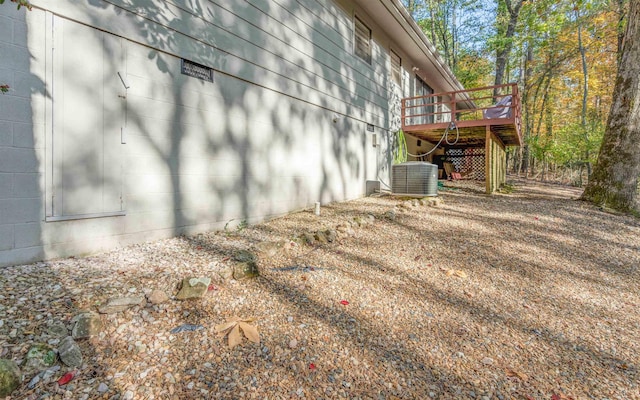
(21, 202)
(258, 142)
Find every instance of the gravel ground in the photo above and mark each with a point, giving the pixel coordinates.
(522, 295)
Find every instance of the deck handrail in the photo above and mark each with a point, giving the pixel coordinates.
(462, 105)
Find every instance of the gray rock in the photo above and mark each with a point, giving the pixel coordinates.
(226, 272)
(70, 352)
(391, 214)
(157, 296)
(120, 304)
(309, 238)
(57, 329)
(331, 235)
(245, 270)
(102, 388)
(371, 218)
(193, 288)
(269, 249)
(38, 357)
(487, 361)
(244, 256)
(10, 377)
(86, 325)
(342, 228)
(321, 237)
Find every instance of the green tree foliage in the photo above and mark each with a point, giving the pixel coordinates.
(20, 3)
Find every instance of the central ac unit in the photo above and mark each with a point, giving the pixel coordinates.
(414, 178)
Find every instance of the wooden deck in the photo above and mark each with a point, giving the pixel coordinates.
(427, 117)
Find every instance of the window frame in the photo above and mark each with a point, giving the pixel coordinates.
(396, 69)
(362, 47)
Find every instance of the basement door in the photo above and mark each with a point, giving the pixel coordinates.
(88, 111)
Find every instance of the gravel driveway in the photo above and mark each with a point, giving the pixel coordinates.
(522, 295)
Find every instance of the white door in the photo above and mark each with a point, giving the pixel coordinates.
(89, 102)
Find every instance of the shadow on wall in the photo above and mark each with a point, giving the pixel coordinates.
(21, 139)
(232, 150)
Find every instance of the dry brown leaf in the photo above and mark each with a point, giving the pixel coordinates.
(513, 373)
(251, 332)
(232, 329)
(460, 274)
(450, 272)
(223, 329)
(235, 337)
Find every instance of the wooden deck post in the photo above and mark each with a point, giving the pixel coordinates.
(488, 161)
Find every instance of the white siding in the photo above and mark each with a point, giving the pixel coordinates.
(259, 141)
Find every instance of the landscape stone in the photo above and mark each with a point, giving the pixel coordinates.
(157, 296)
(391, 214)
(57, 329)
(321, 237)
(86, 325)
(342, 228)
(193, 288)
(245, 270)
(331, 235)
(226, 272)
(120, 304)
(269, 249)
(70, 353)
(309, 238)
(10, 377)
(38, 357)
(244, 256)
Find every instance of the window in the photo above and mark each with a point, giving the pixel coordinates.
(426, 111)
(396, 63)
(362, 42)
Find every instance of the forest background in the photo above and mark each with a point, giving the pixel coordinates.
(564, 56)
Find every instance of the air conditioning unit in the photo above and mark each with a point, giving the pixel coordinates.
(414, 178)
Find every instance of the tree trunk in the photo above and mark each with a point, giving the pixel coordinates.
(502, 54)
(614, 182)
(621, 15)
(585, 93)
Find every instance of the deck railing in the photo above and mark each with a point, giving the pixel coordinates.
(478, 104)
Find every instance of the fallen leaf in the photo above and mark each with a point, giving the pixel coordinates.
(344, 302)
(66, 378)
(232, 327)
(251, 332)
(417, 258)
(560, 396)
(212, 287)
(312, 366)
(224, 329)
(235, 338)
(460, 274)
(513, 373)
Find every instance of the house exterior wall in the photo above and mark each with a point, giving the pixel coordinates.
(283, 124)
